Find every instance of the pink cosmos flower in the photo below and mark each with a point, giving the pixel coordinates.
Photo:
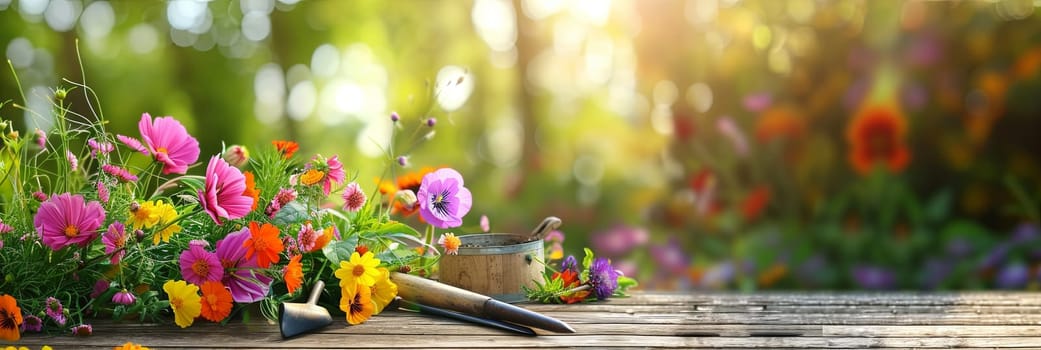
(443, 201)
(333, 173)
(133, 143)
(246, 284)
(55, 310)
(82, 330)
(103, 147)
(100, 287)
(120, 173)
(102, 192)
(283, 197)
(124, 297)
(169, 142)
(353, 197)
(199, 265)
(224, 192)
(5, 228)
(41, 139)
(307, 237)
(66, 219)
(115, 239)
(74, 163)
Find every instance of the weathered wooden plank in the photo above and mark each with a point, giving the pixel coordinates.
(930, 331)
(768, 308)
(810, 318)
(828, 298)
(327, 341)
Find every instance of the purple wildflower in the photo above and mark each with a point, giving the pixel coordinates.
(570, 263)
(55, 311)
(443, 201)
(873, 277)
(246, 285)
(82, 330)
(124, 297)
(619, 240)
(603, 278)
(1012, 276)
(31, 323)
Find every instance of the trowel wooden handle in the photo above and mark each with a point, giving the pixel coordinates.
(424, 291)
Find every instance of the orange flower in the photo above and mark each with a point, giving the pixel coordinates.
(251, 189)
(410, 181)
(10, 318)
(779, 123)
(358, 305)
(772, 275)
(570, 279)
(216, 301)
(294, 275)
(325, 238)
(263, 241)
(287, 148)
(876, 135)
(754, 203)
(130, 346)
(311, 177)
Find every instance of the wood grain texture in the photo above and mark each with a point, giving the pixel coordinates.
(648, 319)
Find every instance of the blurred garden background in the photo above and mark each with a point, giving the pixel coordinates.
(701, 144)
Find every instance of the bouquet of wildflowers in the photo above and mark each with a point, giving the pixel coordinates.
(98, 224)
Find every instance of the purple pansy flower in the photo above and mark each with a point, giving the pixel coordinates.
(443, 201)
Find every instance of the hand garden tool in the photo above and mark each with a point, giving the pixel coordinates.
(297, 318)
(430, 310)
(428, 292)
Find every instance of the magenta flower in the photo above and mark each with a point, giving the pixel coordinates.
(100, 287)
(31, 323)
(283, 197)
(74, 163)
(102, 191)
(333, 173)
(246, 285)
(169, 142)
(82, 330)
(5, 228)
(307, 237)
(729, 128)
(54, 310)
(199, 265)
(41, 139)
(486, 226)
(40, 196)
(124, 297)
(353, 197)
(224, 195)
(115, 239)
(443, 201)
(66, 219)
(120, 173)
(102, 147)
(132, 143)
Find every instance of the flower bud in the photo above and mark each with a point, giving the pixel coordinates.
(431, 122)
(139, 234)
(135, 206)
(60, 94)
(407, 198)
(3, 124)
(394, 117)
(236, 155)
(402, 161)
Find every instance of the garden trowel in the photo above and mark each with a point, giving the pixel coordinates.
(297, 318)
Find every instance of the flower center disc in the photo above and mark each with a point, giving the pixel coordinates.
(71, 231)
(359, 270)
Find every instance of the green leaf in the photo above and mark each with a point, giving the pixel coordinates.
(338, 251)
(393, 227)
(292, 212)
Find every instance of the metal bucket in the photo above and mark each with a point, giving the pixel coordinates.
(495, 264)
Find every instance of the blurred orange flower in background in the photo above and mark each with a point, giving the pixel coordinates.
(877, 134)
(409, 181)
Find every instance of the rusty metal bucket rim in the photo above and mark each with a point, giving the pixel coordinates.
(523, 246)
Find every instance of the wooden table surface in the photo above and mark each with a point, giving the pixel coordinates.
(648, 319)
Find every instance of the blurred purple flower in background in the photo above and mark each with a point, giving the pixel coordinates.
(935, 271)
(758, 102)
(1012, 276)
(873, 277)
(670, 257)
(619, 240)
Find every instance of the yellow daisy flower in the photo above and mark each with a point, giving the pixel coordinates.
(184, 300)
(166, 214)
(360, 270)
(143, 215)
(384, 291)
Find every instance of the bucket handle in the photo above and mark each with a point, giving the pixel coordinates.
(548, 224)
